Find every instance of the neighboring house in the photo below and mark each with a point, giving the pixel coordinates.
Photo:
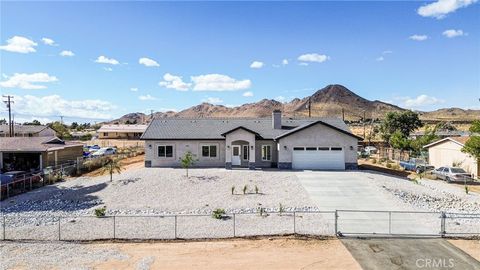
(315, 143)
(27, 131)
(447, 152)
(36, 153)
(129, 132)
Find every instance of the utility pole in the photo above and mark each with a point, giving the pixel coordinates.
(363, 124)
(9, 101)
(309, 107)
(61, 119)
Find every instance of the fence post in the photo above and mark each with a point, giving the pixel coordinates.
(59, 229)
(336, 222)
(4, 225)
(175, 226)
(389, 222)
(234, 225)
(442, 224)
(294, 222)
(114, 227)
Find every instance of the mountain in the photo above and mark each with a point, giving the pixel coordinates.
(331, 101)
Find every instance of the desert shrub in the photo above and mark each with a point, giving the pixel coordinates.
(466, 189)
(218, 213)
(281, 208)
(381, 160)
(256, 189)
(396, 166)
(373, 160)
(233, 190)
(389, 165)
(100, 212)
(245, 188)
(261, 211)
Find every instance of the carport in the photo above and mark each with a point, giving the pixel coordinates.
(21, 161)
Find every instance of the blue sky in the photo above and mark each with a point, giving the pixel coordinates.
(421, 55)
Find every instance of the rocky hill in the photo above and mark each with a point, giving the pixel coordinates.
(332, 101)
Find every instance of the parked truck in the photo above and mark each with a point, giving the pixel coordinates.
(417, 165)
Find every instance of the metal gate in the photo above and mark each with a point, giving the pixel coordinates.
(400, 223)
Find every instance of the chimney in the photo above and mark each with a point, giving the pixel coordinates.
(277, 119)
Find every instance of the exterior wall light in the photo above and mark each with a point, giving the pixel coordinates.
(251, 147)
(285, 147)
(228, 146)
(351, 147)
(149, 146)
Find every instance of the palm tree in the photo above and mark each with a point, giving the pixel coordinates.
(112, 165)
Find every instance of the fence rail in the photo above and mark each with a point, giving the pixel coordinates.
(202, 226)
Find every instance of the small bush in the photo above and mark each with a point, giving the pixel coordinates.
(100, 212)
(218, 213)
(396, 167)
(256, 190)
(466, 189)
(381, 160)
(233, 190)
(261, 211)
(389, 165)
(281, 209)
(374, 160)
(245, 189)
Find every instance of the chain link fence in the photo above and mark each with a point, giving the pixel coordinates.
(312, 223)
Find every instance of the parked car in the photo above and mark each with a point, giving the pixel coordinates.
(371, 149)
(416, 165)
(9, 177)
(106, 151)
(452, 174)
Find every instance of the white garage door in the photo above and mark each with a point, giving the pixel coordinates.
(318, 158)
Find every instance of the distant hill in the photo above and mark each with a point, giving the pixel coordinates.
(327, 102)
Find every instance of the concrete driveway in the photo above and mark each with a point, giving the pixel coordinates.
(332, 191)
(345, 190)
(378, 253)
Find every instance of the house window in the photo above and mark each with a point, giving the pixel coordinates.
(311, 149)
(298, 148)
(336, 149)
(323, 148)
(105, 134)
(165, 151)
(209, 151)
(266, 152)
(245, 152)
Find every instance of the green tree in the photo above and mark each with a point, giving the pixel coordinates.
(399, 141)
(3, 121)
(429, 136)
(74, 125)
(33, 123)
(187, 161)
(112, 165)
(405, 122)
(61, 130)
(475, 127)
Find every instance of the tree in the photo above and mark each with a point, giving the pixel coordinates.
(399, 141)
(475, 127)
(404, 122)
(74, 125)
(112, 165)
(33, 123)
(61, 130)
(3, 121)
(428, 137)
(187, 161)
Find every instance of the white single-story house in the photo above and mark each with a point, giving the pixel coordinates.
(27, 131)
(129, 132)
(313, 143)
(447, 152)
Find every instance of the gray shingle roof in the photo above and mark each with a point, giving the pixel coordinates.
(33, 144)
(23, 129)
(208, 128)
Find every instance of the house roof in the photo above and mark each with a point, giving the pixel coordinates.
(240, 127)
(458, 140)
(295, 130)
(23, 129)
(123, 128)
(213, 128)
(33, 144)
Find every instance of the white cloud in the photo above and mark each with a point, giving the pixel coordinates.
(134, 89)
(441, 8)
(451, 33)
(28, 81)
(108, 69)
(54, 105)
(420, 101)
(19, 44)
(380, 59)
(248, 94)
(49, 41)
(67, 53)
(257, 64)
(280, 98)
(104, 60)
(231, 105)
(387, 52)
(174, 82)
(146, 97)
(212, 100)
(418, 37)
(303, 64)
(285, 62)
(313, 57)
(148, 62)
(219, 82)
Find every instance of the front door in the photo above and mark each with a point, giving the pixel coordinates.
(236, 155)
